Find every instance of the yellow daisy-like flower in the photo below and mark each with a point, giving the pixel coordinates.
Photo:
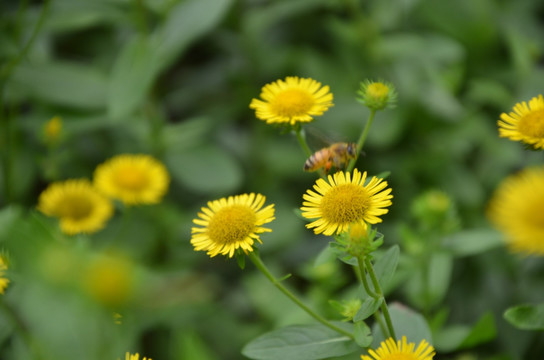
(129, 356)
(231, 224)
(377, 95)
(133, 179)
(525, 123)
(401, 350)
(3, 280)
(292, 101)
(345, 200)
(516, 210)
(78, 205)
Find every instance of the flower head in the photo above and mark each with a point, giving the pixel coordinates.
(133, 179)
(78, 205)
(516, 210)
(525, 123)
(52, 129)
(3, 280)
(377, 95)
(345, 200)
(401, 350)
(231, 224)
(293, 100)
(129, 356)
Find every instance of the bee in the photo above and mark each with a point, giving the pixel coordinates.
(337, 154)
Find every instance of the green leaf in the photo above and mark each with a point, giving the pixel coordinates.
(386, 265)
(472, 242)
(458, 337)
(301, 342)
(62, 83)
(8, 217)
(190, 345)
(368, 307)
(439, 275)
(526, 316)
(206, 169)
(363, 335)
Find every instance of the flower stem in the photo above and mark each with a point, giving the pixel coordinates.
(361, 140)
(262, 267)
(368, 290)
(304, 145)
(385, 310)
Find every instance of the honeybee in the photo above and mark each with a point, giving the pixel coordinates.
(337, 154)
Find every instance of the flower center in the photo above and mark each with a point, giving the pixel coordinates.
(377, 90)
(131, 178)
(532, 124)
(75, 207)
(292, 102)
(345, 203)
(232, 224)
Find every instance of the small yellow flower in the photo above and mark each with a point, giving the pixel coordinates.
(401, 350)
(3, 280)
(293, 100)
(377, 95)
(345, 200)
(52, 129)
(525, 123)
(516, 209)
(136, 356)
(133, 179)
(231, 224)
(78, 205)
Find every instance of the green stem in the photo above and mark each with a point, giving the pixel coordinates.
(304, 145)
(362, 269)
(262, 267)
(385, 310)
(361, 140)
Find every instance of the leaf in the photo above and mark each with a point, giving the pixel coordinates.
(301, 342)
(526, 316)
(369, 306)
(62, 83)
(363, 335)
(439, 275)
(8, 217)
(458, 337)
(473, 242)
(386, 265)
(206, 169)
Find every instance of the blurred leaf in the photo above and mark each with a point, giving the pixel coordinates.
(386, 265)
(473, 242)
(439, 275)
(191, 346)
(301, 342)
(8, 217)
(363, 335)
(206, 169)
(368, 307)
(62, 83)
(526, 317)
(186, 134)
(407, 323)
(458, 337)
(72, 15)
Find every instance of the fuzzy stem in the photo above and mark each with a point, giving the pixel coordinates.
(361, 140)
(262, 267)
(385, 310)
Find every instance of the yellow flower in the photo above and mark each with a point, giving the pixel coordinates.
(345, 200)
(231, 224)
(3, 280)
(133, 179)
(525, 123)
(292, 101)
(78, 205)
(136, 356)
(516, 210)
(52, 129)
(401, 350)
(377, 95)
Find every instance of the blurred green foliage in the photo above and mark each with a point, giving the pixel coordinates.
(174, 79)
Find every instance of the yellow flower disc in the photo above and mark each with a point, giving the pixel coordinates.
(292, 100)
(525, 123)
(231, 224)
(133, 179)
(345, 200)
(516, 210)
(78, 205)
(401, 350)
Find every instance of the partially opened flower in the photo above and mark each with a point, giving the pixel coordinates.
(516, 209)
(78, 205)
(133, 179)
(401, 350)
(232, 223)
(525, 123)
(4, 281)
(293, 100)
(377, 95)
(345, 200)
